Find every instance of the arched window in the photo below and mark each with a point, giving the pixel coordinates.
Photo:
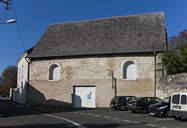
(129, 70)
(54, 72)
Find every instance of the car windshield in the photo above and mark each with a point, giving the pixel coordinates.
(130, 98)
(114, 99)
(133, 98)
(166, 100)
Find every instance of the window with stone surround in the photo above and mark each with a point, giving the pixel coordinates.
(129, 70)
(54, 72)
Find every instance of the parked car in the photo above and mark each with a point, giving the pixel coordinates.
(179, 105)
(120, 102)
(161, 109)
(141, 104)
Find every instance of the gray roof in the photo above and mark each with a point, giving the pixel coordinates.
(125, 34)
(27, 52)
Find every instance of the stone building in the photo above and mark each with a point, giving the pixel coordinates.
(85, 63)
(20, 93)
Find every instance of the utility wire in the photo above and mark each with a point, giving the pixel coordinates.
(18, 27)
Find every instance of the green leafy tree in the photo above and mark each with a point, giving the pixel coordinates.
(175, 58)
(170, 60)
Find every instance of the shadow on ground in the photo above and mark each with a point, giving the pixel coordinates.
(10, 109)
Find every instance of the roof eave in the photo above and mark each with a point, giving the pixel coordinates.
(95, 54)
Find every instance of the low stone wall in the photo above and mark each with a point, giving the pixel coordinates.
(168, 85)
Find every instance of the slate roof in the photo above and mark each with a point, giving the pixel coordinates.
(26, 52)
(125, 34)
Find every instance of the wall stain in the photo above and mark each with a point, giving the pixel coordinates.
(111, 65)
(69, 72)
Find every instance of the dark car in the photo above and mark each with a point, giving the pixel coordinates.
(120, 102)
(161, 109)
(141, 104)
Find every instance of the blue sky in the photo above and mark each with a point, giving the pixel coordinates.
(34, 16)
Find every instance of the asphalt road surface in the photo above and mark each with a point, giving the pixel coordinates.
(13, 116)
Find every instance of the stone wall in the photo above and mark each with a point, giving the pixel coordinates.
(91, 71)
(171, 84)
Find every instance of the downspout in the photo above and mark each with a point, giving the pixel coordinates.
(28, 83)
(114, 84)
(155, 74)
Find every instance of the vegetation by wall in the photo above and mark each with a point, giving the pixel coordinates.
(175, 57)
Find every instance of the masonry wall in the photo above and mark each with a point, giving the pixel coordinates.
(171, 84)
(90, 71)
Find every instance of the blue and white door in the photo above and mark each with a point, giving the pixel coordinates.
(84, 96)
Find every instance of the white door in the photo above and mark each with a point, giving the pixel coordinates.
(131, 72)
(183, 103)
(84, 97)
(175, 102)
(56, 74)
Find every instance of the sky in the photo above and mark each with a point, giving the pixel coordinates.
(34, 16)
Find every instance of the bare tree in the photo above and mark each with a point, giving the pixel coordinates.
(9, 77)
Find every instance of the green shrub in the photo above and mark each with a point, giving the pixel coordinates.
(175, 57)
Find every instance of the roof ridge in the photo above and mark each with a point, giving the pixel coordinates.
(106, 18)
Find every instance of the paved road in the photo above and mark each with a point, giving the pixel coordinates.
(21, 117)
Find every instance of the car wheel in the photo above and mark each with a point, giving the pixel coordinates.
(144, 111)
(178, 118)
(114, 108)
(168, 115)
(133, 111)
(122, 108)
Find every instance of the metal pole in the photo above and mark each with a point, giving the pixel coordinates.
(155, 74)
(2, 22)
(115, 86)
(7, 3)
